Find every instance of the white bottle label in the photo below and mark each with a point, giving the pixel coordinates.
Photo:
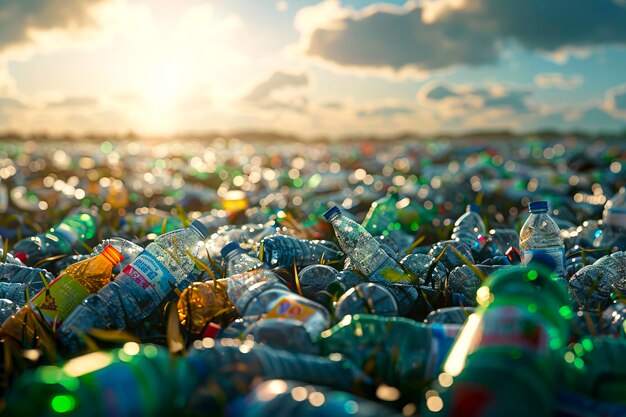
(151, 275)
(558, 254)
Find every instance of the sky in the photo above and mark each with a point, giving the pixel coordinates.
(312, 68)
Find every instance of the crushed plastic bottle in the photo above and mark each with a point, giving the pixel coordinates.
(592, 285)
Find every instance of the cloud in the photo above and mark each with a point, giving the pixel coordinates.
(29, 26)
(463, 98)
(278, 81)
(615, 101)
(433, 35)
(386, 112)
(558, 80)
(75, 102)
(11, 103)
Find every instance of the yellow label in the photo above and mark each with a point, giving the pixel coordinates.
(288, 308)
(63, 295)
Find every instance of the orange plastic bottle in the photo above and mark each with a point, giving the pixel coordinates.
(54, 303)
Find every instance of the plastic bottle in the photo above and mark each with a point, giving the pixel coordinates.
(469, 227)
(140, 287)
(201, 303)
(613, 234)
(397, 351)
(592, 285)
(450, 259)
(77, 228)
(466, 281)
(450, 315)
(284, 251)
(255, 292)
(382, 215)
(285, 334)
(422, 267)
(369, 258)
(136, 380)
(54, 303)
(127, 249)
(502, 363)
(367, 298)
(541, 234)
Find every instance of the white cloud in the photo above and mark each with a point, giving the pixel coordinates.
(558, 80)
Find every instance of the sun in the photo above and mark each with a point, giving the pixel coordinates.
(164, 86)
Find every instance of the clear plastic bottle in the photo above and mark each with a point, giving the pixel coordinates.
(592, 285)
(540, 233)
(256, 291)
(283, 251)
(141, 287)
(469, 227)
(77, 228)
(369, 258)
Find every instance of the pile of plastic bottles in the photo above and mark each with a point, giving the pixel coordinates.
(298, 283)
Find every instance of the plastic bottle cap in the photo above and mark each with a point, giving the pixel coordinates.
(202, 225)
(473, 207)
(331, 213)
(22, 256)
(112, 255)
(230, 247)
(538, 206)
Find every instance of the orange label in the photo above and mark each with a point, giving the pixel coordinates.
(288, 308)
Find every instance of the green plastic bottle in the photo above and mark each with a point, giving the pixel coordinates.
(504, 361)
(136, 380)
(382, 215)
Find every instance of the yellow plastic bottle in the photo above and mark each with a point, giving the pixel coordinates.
(54, 303)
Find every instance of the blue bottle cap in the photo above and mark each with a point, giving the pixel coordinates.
(473, 207)
(230, 247)
(538, 206)
(331, 213)
(202, 225)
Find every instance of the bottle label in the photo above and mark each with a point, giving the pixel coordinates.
(63, 295)
(558, 254)
(151, 275)
(288, 308)
(510, 326)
